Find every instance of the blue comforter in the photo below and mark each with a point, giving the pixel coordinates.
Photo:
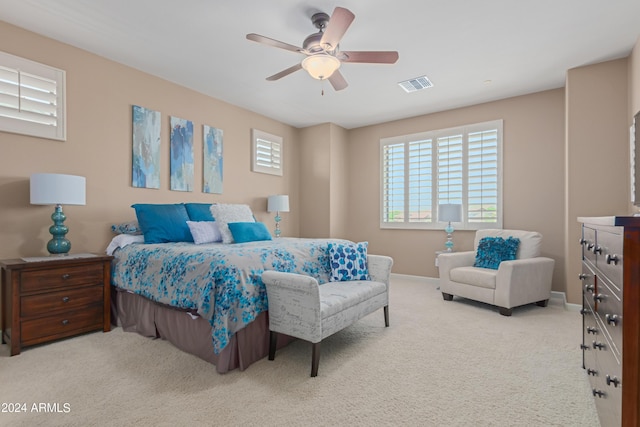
(222, 283)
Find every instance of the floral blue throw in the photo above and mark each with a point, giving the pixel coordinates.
(221, 282)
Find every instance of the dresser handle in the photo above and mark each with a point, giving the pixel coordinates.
(592, 330)
(598, 345)
(65, 299)
(590, 246)
(598, 298)
(66, 276)
(66, 322)
(598, 393)
(589, 288)
(612, 259)
(592, 372)
(597, 250)
(584, 311)
(612, 319)
(582, 276)
(584, 347)
(613, 380)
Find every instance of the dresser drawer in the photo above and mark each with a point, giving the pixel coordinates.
(609, 258)
(609, 312)
(68, 299)
(607, 384)
(589, 239)
(45, 280)
(61, 325)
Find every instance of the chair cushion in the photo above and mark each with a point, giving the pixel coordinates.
(339, 296)
(530, 241)
(474, 276)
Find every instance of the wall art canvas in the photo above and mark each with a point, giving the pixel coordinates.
(181, 154)
(212, 155)
(146, 148)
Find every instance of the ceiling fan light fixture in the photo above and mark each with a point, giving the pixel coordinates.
(320, 66)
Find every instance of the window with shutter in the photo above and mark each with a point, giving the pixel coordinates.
(451, 166)
(266, 153)
(32, 98)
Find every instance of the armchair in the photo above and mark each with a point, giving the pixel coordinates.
(525, 280)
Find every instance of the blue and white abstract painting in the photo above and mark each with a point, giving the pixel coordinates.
(146, 148)
(212, 168)
(181, 154)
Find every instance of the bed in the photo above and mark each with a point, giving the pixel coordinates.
(208, 299)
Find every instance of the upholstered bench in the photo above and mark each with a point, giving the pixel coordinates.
(301, 308)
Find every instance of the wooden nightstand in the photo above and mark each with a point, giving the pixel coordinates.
(54, 298)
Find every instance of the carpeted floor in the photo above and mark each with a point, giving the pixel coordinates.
(440, 363)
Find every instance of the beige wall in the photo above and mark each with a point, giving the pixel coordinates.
(339, 183)
(533, 146)
(598, 180)
(100, 95)
(315, 162)
(634, 80)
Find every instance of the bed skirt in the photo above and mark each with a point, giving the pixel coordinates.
(192, 334)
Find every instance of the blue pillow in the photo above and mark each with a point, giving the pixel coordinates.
(493, 250)
(249, 231)
(163, 223)
(199, 211)
(348, 261)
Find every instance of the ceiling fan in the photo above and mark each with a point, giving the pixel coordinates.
(322, 49)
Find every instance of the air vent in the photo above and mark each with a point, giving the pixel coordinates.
(416, 84)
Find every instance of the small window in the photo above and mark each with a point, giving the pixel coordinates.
(266, 153)
(32, 98)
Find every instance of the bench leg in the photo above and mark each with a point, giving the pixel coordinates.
(273, 340)
(315, 358)
(386, 316)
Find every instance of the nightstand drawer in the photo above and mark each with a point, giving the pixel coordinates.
(37, 305)
(46, 279)
(61, 325)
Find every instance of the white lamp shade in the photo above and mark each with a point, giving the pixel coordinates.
(449, 212)
(278, 203)
(57, 189)
(320, 66)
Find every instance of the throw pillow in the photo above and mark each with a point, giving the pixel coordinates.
(204, 232)
(199, 211)
(249, 231)
(226, 213)
(493, 250)
(348, 261)
(163, 223)
(131, 227)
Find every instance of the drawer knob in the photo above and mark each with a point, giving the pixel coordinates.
(612, 259)
(592, 372)
(590, 246)
(66, 322)
(589, 288)
(592, 330)
(584, 347)
(598, 393)
(582, 276)
(598, 345)
(612, 319)
(65, 299)
(66, 276)
(597, 249)
(584, 311)
(598, 298)
(582, 241)
(613, 380)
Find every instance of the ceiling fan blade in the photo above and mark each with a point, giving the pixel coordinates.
(372, 57)
(275, 43)
(337, 26)
(337, 80)
(284, 73)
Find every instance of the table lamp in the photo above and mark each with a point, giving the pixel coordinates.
(449, 212)
(58, 190)
(278, 203)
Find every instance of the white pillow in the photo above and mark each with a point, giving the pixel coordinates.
(226, 213)
(204, 232)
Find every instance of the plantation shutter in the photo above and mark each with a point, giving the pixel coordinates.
(420, 181)
(393, 205)
(31, 98)
(450, 169)
(267, 153)
(483, 176)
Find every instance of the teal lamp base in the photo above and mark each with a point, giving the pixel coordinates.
(278, 218)
(449, 243)
(58, 245)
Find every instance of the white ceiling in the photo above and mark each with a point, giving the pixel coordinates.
(461, 45)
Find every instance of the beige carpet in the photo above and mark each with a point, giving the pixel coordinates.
(439, 364)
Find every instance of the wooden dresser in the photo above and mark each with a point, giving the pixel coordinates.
(611, 316)
(55, 298)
